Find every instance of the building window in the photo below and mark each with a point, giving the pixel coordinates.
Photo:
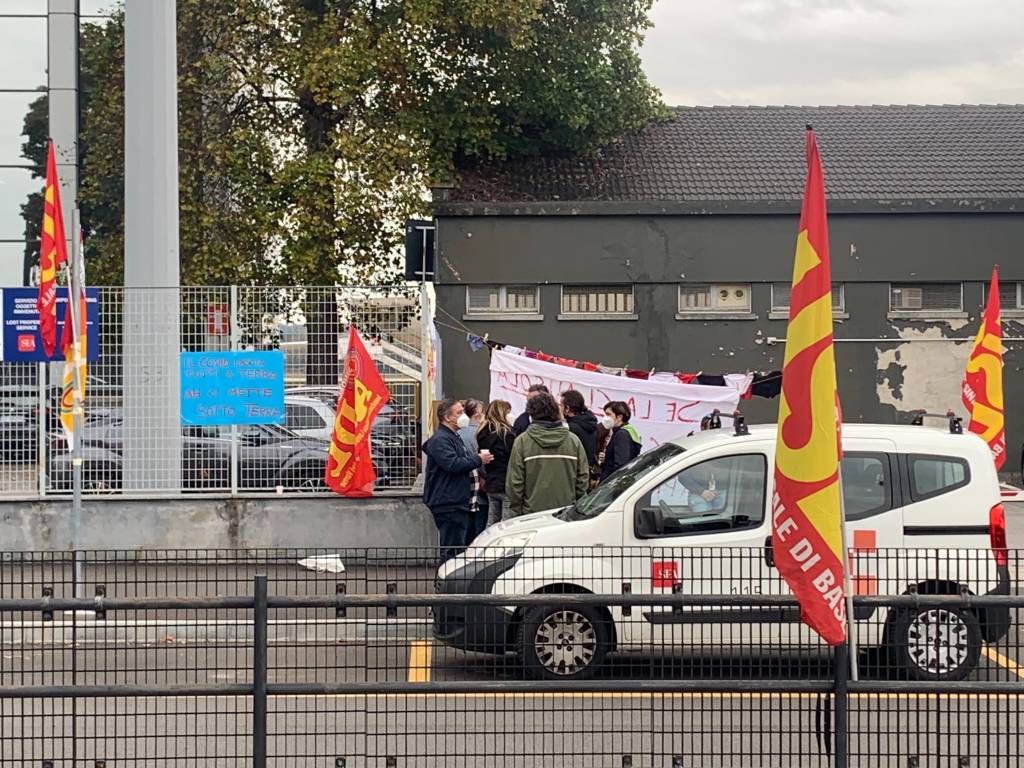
(512, 300)
(780, 300)
(612, 302)
(721, 300)
(926, 299)
(1010, 298)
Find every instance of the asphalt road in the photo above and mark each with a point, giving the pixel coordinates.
(505, 730)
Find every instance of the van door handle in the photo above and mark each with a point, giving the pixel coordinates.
(769, 555)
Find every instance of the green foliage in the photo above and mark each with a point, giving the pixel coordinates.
(309, 130)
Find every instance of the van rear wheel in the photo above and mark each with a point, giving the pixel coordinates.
(935, 643)
(563, 643)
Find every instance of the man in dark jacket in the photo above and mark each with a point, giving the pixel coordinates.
(581, 421)
(523, 419)
(548, 466)
(446, 481)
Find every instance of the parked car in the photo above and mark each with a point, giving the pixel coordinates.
(269, 456)
(19, 414)
(904, 487)
(395, 431)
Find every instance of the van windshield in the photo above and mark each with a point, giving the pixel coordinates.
(598, 500)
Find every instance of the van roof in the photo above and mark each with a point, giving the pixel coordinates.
(903, 435)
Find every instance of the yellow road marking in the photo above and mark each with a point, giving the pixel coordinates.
(420, 652)
(993, 655)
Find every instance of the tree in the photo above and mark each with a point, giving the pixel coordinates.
(310, 130)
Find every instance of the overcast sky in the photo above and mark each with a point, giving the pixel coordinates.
(815, 52)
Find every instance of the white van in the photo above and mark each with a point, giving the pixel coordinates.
(692, 516)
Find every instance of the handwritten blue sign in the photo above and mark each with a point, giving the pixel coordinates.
(232, 388)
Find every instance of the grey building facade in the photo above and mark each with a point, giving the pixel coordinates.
(673, 250)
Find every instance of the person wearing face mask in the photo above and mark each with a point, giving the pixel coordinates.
(624, 444)
(447, 479)
(469, 423)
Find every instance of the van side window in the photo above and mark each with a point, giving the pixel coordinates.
(934, 475)
(723, 494)
(867, 489)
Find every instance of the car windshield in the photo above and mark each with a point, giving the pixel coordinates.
(598, 500)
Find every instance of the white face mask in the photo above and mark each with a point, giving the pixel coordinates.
(463, 421)
(607, 422)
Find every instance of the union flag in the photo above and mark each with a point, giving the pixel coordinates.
(53, 252)
(982, 387)
(807, 538)
(349, 469)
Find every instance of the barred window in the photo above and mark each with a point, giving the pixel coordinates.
(1009, 295)
(488, 299)
(781, 297)
(926, 297)
(597, 299)
(714, 297)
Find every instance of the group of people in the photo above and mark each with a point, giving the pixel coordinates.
(481, 468)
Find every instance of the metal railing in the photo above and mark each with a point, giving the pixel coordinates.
(138, 353)
(247, 658)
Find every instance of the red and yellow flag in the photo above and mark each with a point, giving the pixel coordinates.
(982, 388)
(73, 344)
(53, 252)
(349, 468)
(806, 515)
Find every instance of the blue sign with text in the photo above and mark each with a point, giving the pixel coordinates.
(232, 388)
(20, 341)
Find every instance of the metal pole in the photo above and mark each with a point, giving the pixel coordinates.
(78, 405)
(259, 672)
(42, 449)
(842, 699)
(235, 337)
(851, 622)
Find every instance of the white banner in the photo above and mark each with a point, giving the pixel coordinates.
(662, 410)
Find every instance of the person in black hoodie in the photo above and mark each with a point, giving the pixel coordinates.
(446, 479)
(582, 423)
(496, 435)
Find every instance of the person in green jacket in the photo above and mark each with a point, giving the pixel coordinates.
(548, 467)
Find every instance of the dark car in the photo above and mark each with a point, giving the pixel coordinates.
(269, 457)
(395, 428)
(19, 414)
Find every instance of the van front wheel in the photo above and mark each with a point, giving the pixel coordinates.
(563, 643)
(935, 643)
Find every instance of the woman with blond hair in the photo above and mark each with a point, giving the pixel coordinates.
(496, 435)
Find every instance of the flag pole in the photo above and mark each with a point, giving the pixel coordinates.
(851, 633)
(74, 289)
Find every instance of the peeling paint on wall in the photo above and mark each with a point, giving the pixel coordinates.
(916, 374)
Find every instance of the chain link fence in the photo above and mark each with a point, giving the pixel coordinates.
(133, 441)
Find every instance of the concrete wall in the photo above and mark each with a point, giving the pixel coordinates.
(887, 367)
(239, 523)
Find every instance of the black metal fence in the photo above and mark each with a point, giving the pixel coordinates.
(569, 657)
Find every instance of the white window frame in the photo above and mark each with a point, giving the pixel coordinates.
(926, 314)
(779, 312)
(713, 312)
(563, 314)
(503, 312)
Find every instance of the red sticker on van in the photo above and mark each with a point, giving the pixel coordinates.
(664, 573)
